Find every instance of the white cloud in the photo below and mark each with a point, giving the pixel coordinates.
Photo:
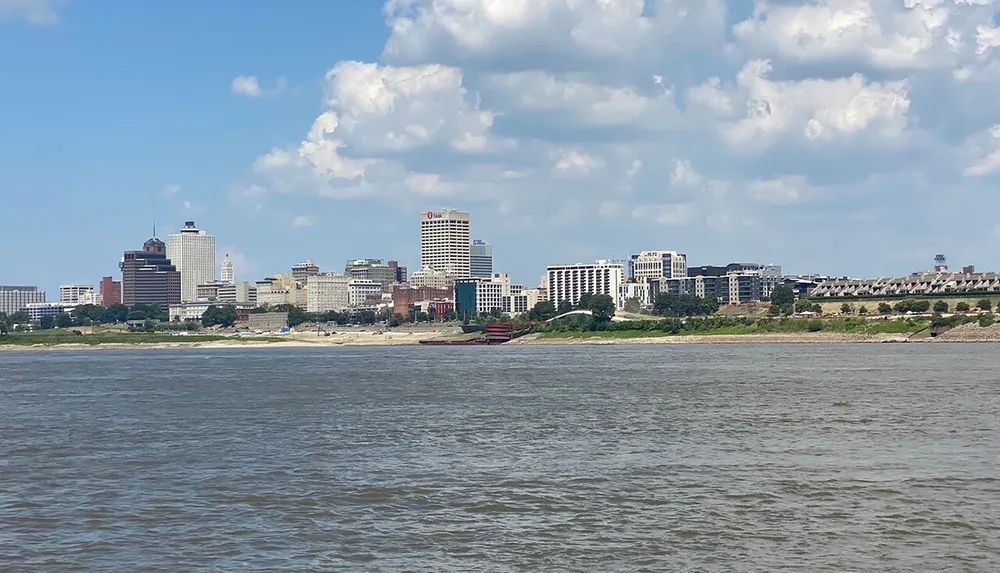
(684, 174)
(575, 163)
(188, 206)
(546, 117)
(779, 191)
(990, 163)
(170, 190)
(670, 215)
(428, 185)
(815, 108)
(37, 12)
(301, 221)
(249, 86)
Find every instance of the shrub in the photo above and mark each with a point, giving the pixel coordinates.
(815, 325)
(986, 320)
(940, 306)
(985, 304)
(884, 308)
(962, 307)
(863, 310)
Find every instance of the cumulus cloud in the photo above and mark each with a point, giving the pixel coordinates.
(301, 221)
(546, 118)
(249, 86)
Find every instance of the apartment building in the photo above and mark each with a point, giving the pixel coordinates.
(16, 298)
(654, 265)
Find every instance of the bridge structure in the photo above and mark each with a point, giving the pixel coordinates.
(587, 312)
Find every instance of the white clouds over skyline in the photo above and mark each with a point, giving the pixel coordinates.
(561, 123)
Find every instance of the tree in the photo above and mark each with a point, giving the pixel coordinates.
(423, 317)
(64, 320)
(114, 314)
(564, 307)
(450, 316)
(584, 302)
(4, 323)
(846, 308)
(19, 317)
(782, 295)
(602, 306)
(884, 308)
(863, 310)
(962, 307)
(684, 305)
(985, 304)
(224, 316)
(396, 320)
(804, 305)
(542, 311)
(940, 306)
(986, 320)
(46, 322)
(296, 315)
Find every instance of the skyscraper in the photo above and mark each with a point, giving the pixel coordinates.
(481, 259)
(444, 242)
(193, 253)
(148, 276)
(228, 271)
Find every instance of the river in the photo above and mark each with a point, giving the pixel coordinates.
(613, 458)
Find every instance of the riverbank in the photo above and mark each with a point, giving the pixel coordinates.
(582, 338)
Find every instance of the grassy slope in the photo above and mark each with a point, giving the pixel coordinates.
(793, 326)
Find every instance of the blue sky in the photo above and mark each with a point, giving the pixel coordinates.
(830, 136)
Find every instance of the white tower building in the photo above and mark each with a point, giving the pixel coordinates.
(192, 251)
(228, 271)
(445, 245)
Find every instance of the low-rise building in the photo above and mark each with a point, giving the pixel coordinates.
(111, 292)
(475, 296)
(916, 284)
(196, 309)
(405, 297)
(38, 310)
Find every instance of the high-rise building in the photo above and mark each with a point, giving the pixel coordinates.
(149, 277)
(192, 251)
(76, 294)
(16, 298)
(302, 271)
(568, 282)
(111, 292)
(481, 259)
(445, 244)
(228, 275)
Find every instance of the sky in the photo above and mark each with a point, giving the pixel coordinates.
(840, 137)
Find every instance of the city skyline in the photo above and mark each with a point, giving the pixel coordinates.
(843, 155)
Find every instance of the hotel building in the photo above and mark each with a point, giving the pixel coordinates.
(17, 298)
(569, 282)
(149, 277)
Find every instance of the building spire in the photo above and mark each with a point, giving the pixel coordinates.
(154, 229)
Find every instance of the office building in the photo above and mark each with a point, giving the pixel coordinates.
(445, 245)
(481, 259)
(401, 274)
(431, 278)
(228, 293)
(568, 282)
(149, 276)
(192, 251)
(363, 292)
(111, 292)
(76, 294)
(16, 298)
(476, 296)
(384, 273)
(736, 283)
(654, 265)
(302, 271)
(326, 292)
(228, 275)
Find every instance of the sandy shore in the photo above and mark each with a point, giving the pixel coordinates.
(773, 338)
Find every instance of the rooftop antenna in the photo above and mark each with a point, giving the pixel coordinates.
(154, 229)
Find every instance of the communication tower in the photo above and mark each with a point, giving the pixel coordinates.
(940, 263)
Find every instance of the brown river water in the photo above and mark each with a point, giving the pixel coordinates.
(614, 458)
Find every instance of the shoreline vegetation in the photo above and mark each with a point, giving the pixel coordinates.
(672, 319)
(711, 330)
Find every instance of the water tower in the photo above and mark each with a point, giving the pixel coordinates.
(940, 263)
